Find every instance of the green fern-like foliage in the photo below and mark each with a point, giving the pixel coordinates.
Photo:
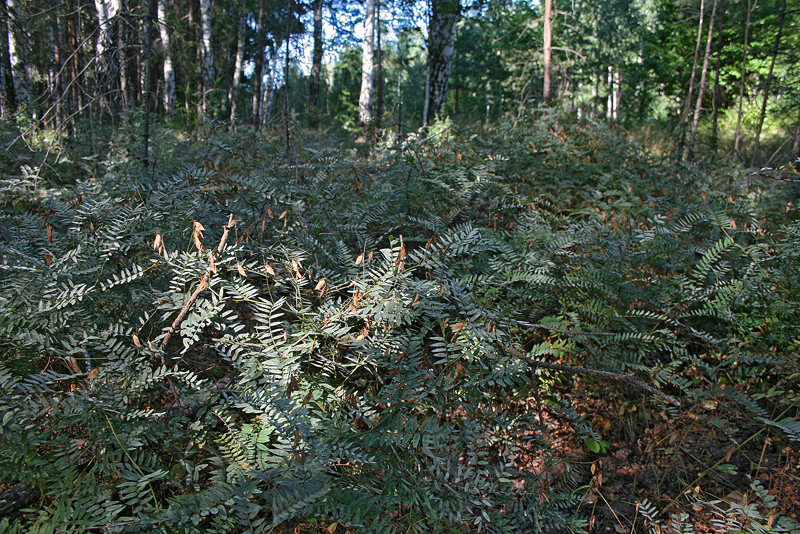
(339, 354)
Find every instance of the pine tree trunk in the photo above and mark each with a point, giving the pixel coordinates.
(286, 110)
(687, 105)
(367, 56)
(238, 67)
(258, 73)
(702, 88)
(768, 84)
(751, 5)
(169, 69)
(9, 95)
(208, 54)
(547, 48)
(316, 65)
(441, 46)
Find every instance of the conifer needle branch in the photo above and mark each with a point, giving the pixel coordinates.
(590, 372)
(200, 287)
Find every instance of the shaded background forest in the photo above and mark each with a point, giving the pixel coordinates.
(723, 75)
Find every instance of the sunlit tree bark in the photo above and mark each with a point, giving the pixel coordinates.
(547, 48)
(169, 68)
(367, 56)
(17, 43)
(208, 53)
(106, 53)
(441, 46)
(9, 95)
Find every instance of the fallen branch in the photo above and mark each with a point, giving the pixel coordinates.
(630, 379)
(200, 287)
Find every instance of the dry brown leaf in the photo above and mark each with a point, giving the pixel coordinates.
(73, 363)
(359, 259)
(92, 373)
(268, 268)
(320, 285)
(136, 341)
(269, 212)
(49, 234)
(197, 235)
(240, 270)
(292, 387)
(282, 215)
(48, 258)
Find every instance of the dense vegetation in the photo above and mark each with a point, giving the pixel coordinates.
(236, 342)
(501, 266)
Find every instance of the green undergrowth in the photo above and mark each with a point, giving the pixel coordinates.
(339, 355)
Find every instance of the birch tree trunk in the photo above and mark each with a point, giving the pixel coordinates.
(16, 44)
(703, 75)
(367, 56)
(169, 68)
(208, 53)
(258, 73)
(316, 65)
(441, 46)
(768, 84)
(547, 49)
(108, 69)
(238, 67)
(751, 5)
(9, 95)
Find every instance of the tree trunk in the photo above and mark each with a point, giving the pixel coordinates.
(208, 54)
(703, 75)
(687, 105)
(796, 149)
(152, 12)
(367, 56)
(169, 69)
(16, 44)
(441, 46)
(316, 66)
(286, 110)
(9, 95)
(106, 53)
(258, 73)
(769, 83)
(238, 67)
(379, 73)
(717, 90)
(547, 48)
(751, 5)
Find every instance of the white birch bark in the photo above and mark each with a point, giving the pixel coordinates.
(169, 68)
(16, 44)
(207, 53)
(367, 57)
(441, 47)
